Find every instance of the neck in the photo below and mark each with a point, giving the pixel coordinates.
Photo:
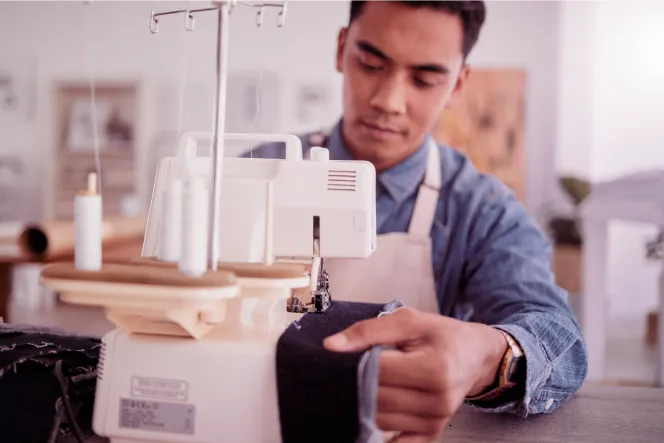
(380, 162)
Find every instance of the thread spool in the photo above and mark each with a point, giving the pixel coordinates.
(88, 227)
(195, 201)
(268, 252)
(170, 230)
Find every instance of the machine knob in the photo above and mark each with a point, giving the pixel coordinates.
(319, 154)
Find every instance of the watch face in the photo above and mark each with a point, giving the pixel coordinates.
(515, 371)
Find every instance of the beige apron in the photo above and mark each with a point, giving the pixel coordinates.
(400, 268)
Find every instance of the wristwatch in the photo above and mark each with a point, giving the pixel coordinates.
(511, 373)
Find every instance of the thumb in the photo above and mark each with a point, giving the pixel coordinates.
(403, 325)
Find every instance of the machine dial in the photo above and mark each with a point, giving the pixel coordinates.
(319, 154)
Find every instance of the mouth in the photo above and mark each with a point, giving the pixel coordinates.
(378, 131)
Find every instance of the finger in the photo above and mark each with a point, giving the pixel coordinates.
(407, 370)
(413, 424)
(395, 400)
(413, 438)
(399, 327)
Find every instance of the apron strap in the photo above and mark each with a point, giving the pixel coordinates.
(424, 212)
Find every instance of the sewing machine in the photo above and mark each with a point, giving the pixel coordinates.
(193, 357)
(173, 367)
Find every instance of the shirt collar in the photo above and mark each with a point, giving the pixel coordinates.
(401, 180)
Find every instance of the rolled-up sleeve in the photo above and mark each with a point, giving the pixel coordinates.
(508, 281)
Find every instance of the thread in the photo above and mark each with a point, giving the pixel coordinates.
(88, 227)
(258, 109)
(181, 91)
(195, 198)
(268, 256)
(170, 229)
(258, 102)
(93, 104)
(180, 85)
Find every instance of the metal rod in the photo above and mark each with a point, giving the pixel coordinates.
(154, 23)
(219, 129)
(263, 5)
(180, 11)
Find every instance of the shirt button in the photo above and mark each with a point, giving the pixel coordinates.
(549, 403)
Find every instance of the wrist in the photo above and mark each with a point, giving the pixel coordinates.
(492, 347)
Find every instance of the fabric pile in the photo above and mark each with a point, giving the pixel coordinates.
(47, 384)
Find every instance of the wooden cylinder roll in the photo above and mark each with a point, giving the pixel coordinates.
(55, 238)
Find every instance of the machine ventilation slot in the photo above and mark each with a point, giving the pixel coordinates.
(102, 359)
(339, 180)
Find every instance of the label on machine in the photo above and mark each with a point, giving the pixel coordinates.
(159, 388)
(176, 418)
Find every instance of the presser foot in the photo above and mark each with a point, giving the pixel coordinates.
(320, 298)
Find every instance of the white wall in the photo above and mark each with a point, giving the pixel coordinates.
(609, 122)
(576, 54)
(517, 34)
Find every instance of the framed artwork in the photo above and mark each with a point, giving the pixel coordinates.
(488, 125)
(111, 125)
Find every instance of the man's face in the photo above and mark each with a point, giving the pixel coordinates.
(401, 67)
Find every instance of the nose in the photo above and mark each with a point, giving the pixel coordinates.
(389, 96)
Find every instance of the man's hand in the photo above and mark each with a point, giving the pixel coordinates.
(437, 362)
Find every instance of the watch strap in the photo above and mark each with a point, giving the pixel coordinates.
(505, 382)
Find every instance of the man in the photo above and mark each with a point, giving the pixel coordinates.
(452, 241)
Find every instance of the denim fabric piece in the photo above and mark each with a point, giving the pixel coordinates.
(367, 388)
(492, 264)
(33, 363)
(325, 396)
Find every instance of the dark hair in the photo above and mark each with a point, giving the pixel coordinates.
(471, 13)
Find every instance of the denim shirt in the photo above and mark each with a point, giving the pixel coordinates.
(491, 265)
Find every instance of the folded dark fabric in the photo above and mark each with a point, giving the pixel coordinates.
(325, 396)
(38, 365)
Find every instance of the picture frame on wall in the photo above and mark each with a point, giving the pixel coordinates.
(109, 124)
(487, 124)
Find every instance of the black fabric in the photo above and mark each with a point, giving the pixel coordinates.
(317, 388)
(33, 363)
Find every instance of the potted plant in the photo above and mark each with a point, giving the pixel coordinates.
(566, 235)
(565, 230)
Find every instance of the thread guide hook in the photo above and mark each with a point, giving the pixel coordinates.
(189, 23)
(154, 23)
(260, 16)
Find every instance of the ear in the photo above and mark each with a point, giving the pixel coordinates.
(341, 44)
(455, 96)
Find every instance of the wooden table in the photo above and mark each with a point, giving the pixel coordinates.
(596, 414)
(119, 252)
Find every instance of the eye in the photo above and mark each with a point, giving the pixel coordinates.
(423, 84)
(369, 65)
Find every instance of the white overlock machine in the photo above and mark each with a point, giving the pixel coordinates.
(234, 252)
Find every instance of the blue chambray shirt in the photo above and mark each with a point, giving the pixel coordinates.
(491, 265)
